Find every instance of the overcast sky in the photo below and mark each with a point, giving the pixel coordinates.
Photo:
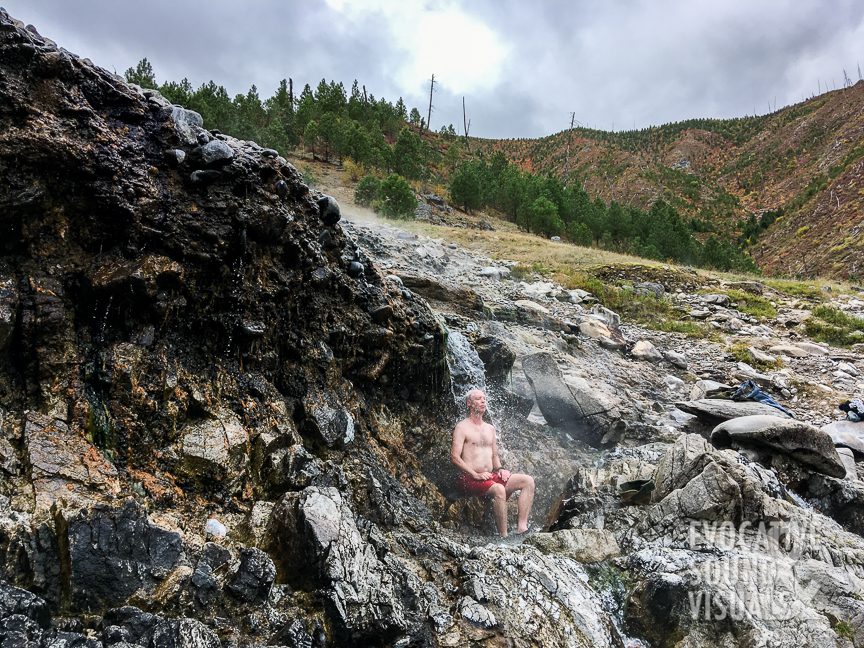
(522, 66)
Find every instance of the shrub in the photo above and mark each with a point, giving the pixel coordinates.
(396, 198)
(352, 170)
(367, 191)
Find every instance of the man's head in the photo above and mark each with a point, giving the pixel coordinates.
(476, 401)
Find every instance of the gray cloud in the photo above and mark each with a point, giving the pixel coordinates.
(622, 64)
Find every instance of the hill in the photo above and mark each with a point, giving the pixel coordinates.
(789, 183)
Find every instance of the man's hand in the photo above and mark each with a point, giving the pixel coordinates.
(505, 474)
(482, 476)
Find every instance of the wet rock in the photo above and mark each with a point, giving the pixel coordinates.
(717, 410)
(803, 442)
(188, 124)
(254, 577)
(282, 189)
(331, 422)
(356, 269)
(215, 153)
(8, 310)
(205, 176)
(329, 210)
(115, 553)
(563, 406)
(496, 356)
(184, 633)
(16, 601)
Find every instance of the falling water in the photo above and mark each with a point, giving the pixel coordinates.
(466, 368)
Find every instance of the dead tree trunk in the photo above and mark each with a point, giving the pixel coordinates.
(429, 114)
(466, 125)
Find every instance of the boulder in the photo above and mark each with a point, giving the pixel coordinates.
(677, 359)
(497, 357)
(644, 350)
(803, 442)
(791, 350)
(717, 410)
(567, 408)
(848, 435)
(332, 422)
(215, 153)
(215, 446)
(188, 124)
(254, 577)
(115, 553)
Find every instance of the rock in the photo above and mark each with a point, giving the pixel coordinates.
(790, 350)
(847, 434)
(218, 446)
(282, 189)
(644, 350)
(254, 577)
(583, 545)
(329, 210)
(677, 359)
(608, 317)
(205, 176)
(753, 287)
(476, 613)
(115, 553)
(761, 356)
(533, 307)
(716, 410)
(699, 313)
(215, 528)
(705, 389)
(8, 309)
(495, 273)
(673, 382)
(574, 411)
(330, 421)
(812, 349)
(496, 356)
(717, 299)
(803, 442)
(649, 288)
(16, 601)
(184, 633)
(317, 535)
(188, 124)
(848, 459)
(594, 329)
(845, 367)
(578, 296)
(215, 153)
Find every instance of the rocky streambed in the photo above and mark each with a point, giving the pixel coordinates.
(225, 414)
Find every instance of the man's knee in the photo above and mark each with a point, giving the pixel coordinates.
(497, 491)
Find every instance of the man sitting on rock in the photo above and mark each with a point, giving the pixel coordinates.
(475, 453)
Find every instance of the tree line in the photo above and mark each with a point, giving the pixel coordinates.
(388, 140)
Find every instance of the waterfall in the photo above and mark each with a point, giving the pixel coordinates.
(466, 368)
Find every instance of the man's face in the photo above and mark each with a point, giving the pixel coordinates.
(477, 403)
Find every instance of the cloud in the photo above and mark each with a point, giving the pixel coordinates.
(523, 67)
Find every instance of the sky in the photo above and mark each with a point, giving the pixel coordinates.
(524, 68)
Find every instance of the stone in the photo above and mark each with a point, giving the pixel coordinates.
(705, 389)
(594, 329)
(16, 601)
(282, 189)
(845, 367)
(532, 307)
(217, 446)
(848, 458)
(572, 410)
(651, 288)
(472, 611)
(761, 356)
(8, 309)
(716, 410)
(495, 273)
(205, 176)
(790, 350)
(753, 287)
(812, 349)
(184, 633)
(329, 209)
(115, 553)
(496, 356)
(188, 124)
(644, 350)
(254, 577)
(583, 545)
(803, 442)
(718, 299)
(330, 421)
(677, 359)
(215, 153)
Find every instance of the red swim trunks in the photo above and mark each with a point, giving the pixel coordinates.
(477, 487)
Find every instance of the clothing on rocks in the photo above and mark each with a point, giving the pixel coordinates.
(749, 390)
(854, 409)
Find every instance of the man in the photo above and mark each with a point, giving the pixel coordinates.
(475, 453)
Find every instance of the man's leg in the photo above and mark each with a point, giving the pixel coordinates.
(499, 505)
(525, 483)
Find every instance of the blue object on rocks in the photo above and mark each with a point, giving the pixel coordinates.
(749, 390)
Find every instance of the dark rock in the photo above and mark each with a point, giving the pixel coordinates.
(206, 584)
(204, 137)
(205, 176)
(321, 276)
(269, 153)
(129, 624)
(254, 578)
(176, 156)
(356, 269)
(382, 314)
(188, 124)
(282, 189)
(19, 602)
(184, 633)
(114, 553)
(563, 406)
(332, 422)
(497, 357)
(329, 210)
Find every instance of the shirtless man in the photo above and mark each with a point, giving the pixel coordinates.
(475, 453)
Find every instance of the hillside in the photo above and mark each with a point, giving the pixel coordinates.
(805, 160)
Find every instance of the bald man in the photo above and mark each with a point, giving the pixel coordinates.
(475, 453)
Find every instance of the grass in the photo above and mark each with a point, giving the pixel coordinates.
(793, 288)
(751, 304)
(835, 327)
(741, 352)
